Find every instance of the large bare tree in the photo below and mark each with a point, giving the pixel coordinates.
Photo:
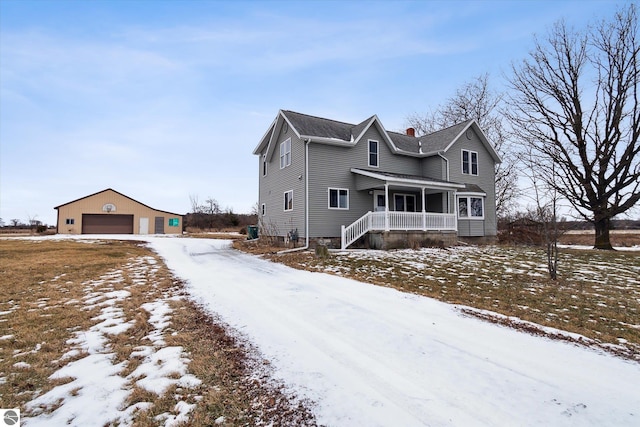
(575, 103)
(476, 100)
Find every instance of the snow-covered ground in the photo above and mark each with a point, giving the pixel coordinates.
(97, 393)
(372, 356)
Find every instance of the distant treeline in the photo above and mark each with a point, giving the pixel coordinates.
(218, 221)
(616, 224)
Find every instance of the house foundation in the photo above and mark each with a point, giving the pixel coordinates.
(385, 240)
(410, 239)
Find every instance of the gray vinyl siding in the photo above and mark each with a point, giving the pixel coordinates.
(471, 228)
(434, 167)
(485, 180)
(388, 161)
(277, 182)
(330, 167)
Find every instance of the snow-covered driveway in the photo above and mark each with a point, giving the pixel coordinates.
(372, 356)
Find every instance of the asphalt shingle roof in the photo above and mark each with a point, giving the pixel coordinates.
(327, 128)
(317, 126)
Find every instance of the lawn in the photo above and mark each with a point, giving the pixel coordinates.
(102, 329)
(596, 296)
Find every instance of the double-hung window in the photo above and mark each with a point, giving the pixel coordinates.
(469, 162)
(264, 165)
(373, 153)
(288, 200)
(471, 207)
(338, 198)
(404, 202)
(285, 153)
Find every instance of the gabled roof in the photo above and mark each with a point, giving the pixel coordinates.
(118, 193)
(441, 140)
(317, 126)
(327, 131)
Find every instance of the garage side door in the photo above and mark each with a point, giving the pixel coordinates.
(159, 225)
(107, 224)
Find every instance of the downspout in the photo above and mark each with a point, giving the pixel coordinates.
(448, 197)
(306, 201)
(450, 202)
(446, 161)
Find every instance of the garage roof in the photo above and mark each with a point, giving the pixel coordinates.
(117, 192)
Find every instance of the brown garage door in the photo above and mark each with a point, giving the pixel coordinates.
(107, 224)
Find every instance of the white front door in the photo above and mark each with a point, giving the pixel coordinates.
(144, 225)
(378, 201)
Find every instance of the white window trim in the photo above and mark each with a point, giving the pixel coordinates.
(405, 195)
(470, 163)
(377, 153)
(263, 209)
(329, 198)
(284, 159)
(264, 164)
(290, 192)
(470, 196)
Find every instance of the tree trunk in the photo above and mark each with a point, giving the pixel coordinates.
(602, 234)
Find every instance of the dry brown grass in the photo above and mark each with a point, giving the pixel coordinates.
(41, 288)
(619, 238)
(41, 308)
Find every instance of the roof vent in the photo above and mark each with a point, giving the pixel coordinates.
(411, 132)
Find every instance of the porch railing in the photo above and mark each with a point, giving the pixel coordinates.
(405, 221)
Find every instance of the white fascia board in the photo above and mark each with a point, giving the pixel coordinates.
(275, 131)
(483, 139)
(409, 181)
(385, 135)
(261, 144)
(329, 141)
(471, 193)
(357, 138)
(290, 125)
(420, 155)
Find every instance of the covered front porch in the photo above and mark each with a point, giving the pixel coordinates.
(403, 203)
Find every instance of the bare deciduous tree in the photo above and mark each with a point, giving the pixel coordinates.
(545, 208)
(476, 100)
(212, 207)
(195, 204)
(575, 103)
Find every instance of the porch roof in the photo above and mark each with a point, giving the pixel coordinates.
(473, 189)
(376, 178)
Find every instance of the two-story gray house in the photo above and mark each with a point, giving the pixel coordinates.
(361, 185)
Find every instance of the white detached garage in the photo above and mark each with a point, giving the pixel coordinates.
(111, 212)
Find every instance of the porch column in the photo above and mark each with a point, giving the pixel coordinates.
(424, 210)
(386, 207)
(454, 210)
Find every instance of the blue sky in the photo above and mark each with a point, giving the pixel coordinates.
(161, 100)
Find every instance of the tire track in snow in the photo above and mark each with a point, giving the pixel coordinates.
(344, 343)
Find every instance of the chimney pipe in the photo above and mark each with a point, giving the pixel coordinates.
(411, 132)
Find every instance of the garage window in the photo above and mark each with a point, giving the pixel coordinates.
(174, 222)
(70, 221)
